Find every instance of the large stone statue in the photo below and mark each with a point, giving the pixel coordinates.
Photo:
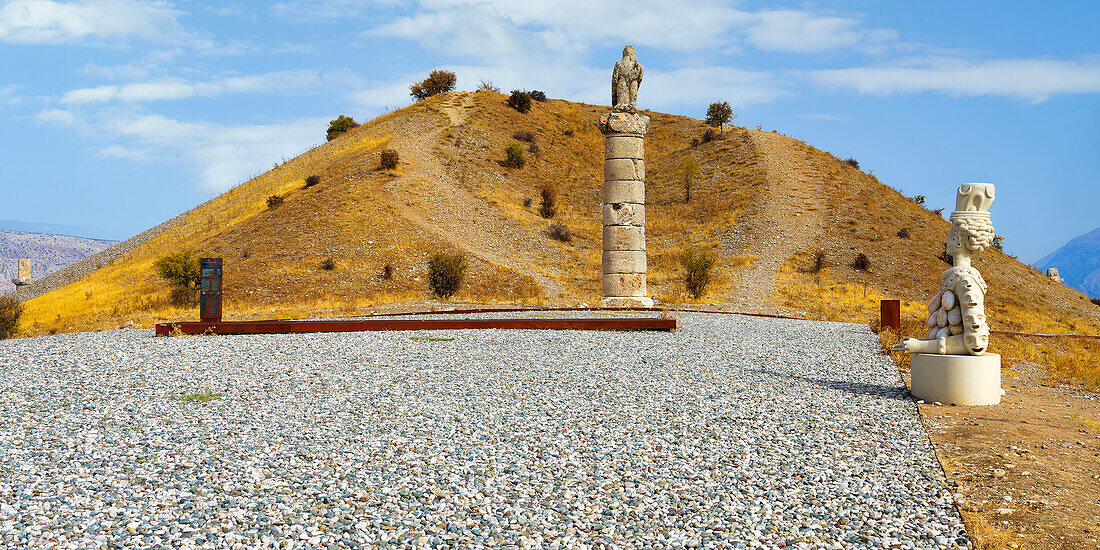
(625, 80)
(951, 364)
(624, 259)
(956, 315)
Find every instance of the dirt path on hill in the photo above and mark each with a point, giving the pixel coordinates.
(433, 197)
(791, 213)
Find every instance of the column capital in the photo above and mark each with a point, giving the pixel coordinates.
(624, 123)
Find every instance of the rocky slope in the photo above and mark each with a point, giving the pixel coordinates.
(761, 203)
(1078, 262)
(49, 253)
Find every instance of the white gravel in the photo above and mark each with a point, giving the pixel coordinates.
(732, 432)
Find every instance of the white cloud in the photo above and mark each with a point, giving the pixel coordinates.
(329, 9)
(129, 71)
(1032, 80)
(478, 32)
(126, 153)
(9, 94)
(661, 90)
(50, 22)
(56, 116)
(176, 88)
(223, 155)
(701, 85)
(802, 32)
(823, 117)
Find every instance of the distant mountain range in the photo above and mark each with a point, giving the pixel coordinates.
(48, 252)
(1078, 262)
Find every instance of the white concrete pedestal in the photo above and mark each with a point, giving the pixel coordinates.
(958, 379)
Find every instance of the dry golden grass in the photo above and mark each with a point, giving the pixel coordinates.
(1063, 359)
(273, 255)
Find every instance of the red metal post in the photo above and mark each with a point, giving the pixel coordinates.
(890, 315)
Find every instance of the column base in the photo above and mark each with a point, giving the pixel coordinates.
(958, 379)
(626, 301)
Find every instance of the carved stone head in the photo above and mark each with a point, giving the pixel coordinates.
(971, 227)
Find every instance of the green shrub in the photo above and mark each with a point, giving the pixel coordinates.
(178, 268)
(328, 265)
(519, 101)
(524, 135)
(339, 126)
(559, 232)
(436, 83)
(389, 159)
(514, 156)
(818, 263)
(709, 135)
(1095, 301)
(861, 263)
(919, 199)
(446, 271)
(312, 180)
(387, 272)
(181, 271)
(274, 201)
(10, 312)
(548, 206)
(537, 95)
(852, 162)
(487, 86)
(903, 232)
(527, 202)
(998, 242)
(719, 113)
(697, 270)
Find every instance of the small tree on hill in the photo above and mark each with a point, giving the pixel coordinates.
(688, 167)
(697, 270)
(445, 273)
(10, 311)
(436, 83)
(339, 126)
(181, 271)
(719, 114)
(520, 101)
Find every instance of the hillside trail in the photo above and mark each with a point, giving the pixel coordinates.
(432, 197)
(791, 214)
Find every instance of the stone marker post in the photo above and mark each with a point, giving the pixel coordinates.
(210, 290)
(624, 262)
(22, 276)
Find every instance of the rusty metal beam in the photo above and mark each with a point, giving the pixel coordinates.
(355, 325)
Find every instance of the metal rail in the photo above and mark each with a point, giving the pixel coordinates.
(355, 325)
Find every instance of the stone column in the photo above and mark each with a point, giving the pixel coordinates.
(624, 261)
(22, 277)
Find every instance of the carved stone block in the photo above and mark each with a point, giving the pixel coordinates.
(623, 147)
(623, 169)
(624, 123)
(624, 261)
(623, 237)
(624, 284)
(624, 213)
(23, 272)
(617, 192)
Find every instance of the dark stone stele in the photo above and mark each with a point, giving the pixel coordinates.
(210, 289)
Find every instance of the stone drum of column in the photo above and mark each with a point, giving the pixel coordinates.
(624, 261)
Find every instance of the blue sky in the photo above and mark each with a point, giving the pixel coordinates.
(118, 114)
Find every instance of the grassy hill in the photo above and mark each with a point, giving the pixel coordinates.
(763, 203)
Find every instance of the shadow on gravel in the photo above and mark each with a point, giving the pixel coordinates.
(858, 388)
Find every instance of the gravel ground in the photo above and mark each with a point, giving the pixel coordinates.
(731, 432)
